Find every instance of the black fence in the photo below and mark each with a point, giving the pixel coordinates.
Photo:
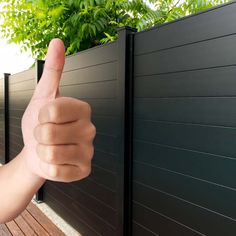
(164, 103)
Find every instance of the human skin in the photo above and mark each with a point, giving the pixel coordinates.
(58, 140)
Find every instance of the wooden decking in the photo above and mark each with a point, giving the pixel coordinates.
(31, 222)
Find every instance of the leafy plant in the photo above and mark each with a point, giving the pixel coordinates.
(85, 23)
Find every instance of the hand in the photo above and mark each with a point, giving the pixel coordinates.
(57, 131)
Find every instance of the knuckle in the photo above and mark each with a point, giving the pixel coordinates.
(86, 171)
(51, 155)
(53, 171)
(87, 108)
(48, 133)
(90, 153)
(93, 130)
(90, 132)
(54, 111)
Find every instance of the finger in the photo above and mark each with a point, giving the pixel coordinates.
(49, 83)
(68, 133)
(64, 110)
(64, 173)
(65, 154)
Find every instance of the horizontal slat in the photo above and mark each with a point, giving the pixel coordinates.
(66, 213)
(13, 153)
(212, 111)
(24, 85)
(22, 76)
(81, 211)
(208, 82)
(91, 74)
(17, 146)
(16, 143)
(212, 168)
(193, 216)
(188, 30)
(102, 193)
(187, 188)
(105, 160)
(16, 112)
(213, 53)
(19, 92)
(103, 107)
(105, 89)
(96, 55)
(139, 230)
(90, 201)
(14, 120)
(103, 177)
(15, 128)
(20, 100)
(105, 143)
(157, 224)
(107, 125)
(210, 139)
(16, 138)
(14, 150)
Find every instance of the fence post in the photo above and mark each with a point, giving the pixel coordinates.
(125, 99)
(39, 72)
(6, 117)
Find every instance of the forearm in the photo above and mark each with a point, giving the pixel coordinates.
(17, 187)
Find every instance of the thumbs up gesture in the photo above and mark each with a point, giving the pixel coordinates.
(57, 131)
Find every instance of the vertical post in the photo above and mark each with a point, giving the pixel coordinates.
(6, 117)
(125, 99)
(39, 72)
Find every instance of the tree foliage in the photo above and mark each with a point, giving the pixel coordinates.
(85, 23)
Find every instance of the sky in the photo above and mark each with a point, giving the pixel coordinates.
(12, 60)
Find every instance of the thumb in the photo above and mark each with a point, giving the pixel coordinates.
(48, 85)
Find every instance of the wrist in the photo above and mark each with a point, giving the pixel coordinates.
(26, 167)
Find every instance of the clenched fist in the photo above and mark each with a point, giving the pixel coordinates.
(57, 131)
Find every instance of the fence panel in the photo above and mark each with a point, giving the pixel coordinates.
(2, 125)
(184, 126)
(92, 205)
(95, 205)
(21, 88)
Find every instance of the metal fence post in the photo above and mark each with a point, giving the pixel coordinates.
(6, 117)
(125, 96)
(39, 72)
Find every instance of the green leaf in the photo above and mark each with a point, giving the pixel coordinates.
(82, 23)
